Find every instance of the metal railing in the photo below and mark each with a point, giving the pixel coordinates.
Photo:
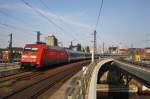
(79, 86)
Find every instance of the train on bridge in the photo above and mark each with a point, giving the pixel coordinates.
(41, 55)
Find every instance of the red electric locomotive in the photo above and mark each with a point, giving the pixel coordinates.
(39, 55)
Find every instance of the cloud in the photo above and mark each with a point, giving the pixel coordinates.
(67, 19)
(14, 7)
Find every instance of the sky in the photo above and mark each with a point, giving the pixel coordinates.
(122, 22)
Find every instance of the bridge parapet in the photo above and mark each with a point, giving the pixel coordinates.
(84, 85)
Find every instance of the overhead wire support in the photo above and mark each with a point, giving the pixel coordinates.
(94, 37)
(94, 47)
(38, 37)
(10, 49)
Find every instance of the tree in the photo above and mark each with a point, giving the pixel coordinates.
(88, 49)
(83, 50)
(79, 47)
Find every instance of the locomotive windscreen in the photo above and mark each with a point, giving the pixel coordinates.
(31, 49)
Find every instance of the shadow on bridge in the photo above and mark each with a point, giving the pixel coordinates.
(110, 84)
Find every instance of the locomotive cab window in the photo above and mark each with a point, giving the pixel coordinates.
(27, 49)
(31, 49)
(34, 49)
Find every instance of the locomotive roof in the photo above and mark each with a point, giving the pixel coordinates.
(56, 47)
(71, 51)
(68, 50)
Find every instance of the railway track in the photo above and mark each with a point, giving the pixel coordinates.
(10, 72)
(139, 64)
(39, 83)
(8, 69)
(20, 76)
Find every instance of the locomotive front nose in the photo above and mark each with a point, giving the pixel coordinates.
(29, 57)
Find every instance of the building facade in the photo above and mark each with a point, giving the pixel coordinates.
(113, 50)
(16, 53)
(51, 40)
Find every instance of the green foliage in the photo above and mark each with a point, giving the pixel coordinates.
(16, 55)
(79, 47)
(87, 49)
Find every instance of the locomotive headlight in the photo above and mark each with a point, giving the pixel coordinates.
(24, 56)
(32, 56)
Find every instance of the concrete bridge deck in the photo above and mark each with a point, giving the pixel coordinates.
(139, 73)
